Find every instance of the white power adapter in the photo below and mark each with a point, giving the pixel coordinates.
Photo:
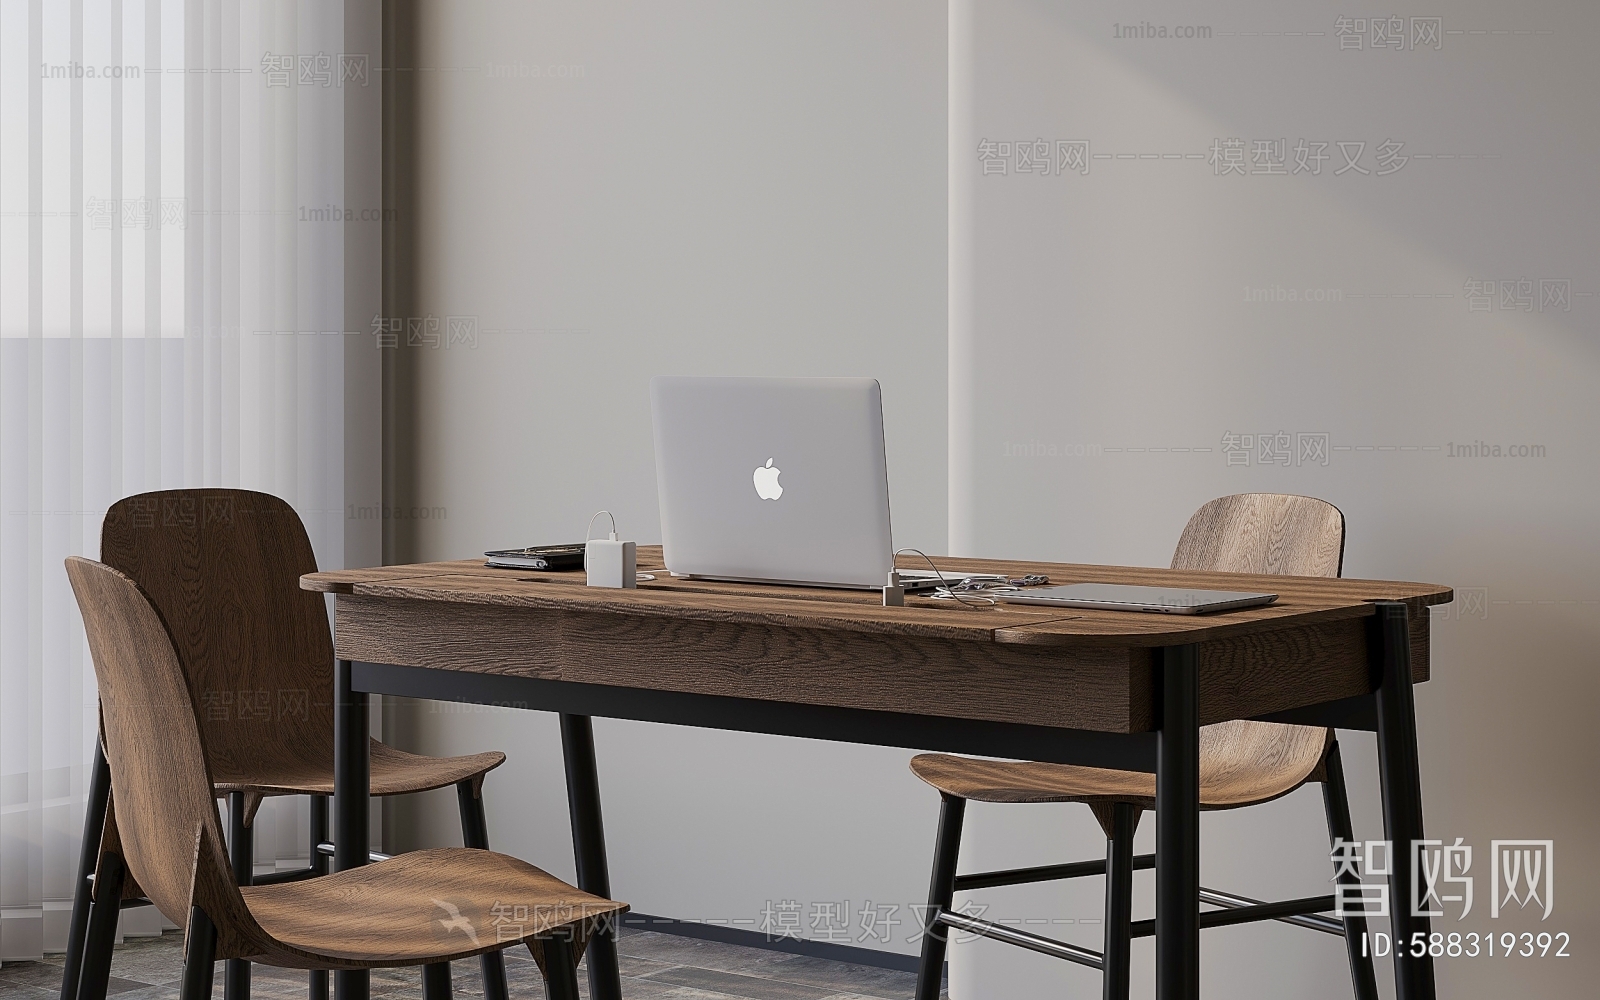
(894, 593)
(609, 562)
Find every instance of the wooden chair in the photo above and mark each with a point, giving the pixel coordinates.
(1242, 763)
(165, 834)
(224, 567)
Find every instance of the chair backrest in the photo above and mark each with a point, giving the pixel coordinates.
(166, 817)
(223, 568)
(1267, 533)
(1264, 533)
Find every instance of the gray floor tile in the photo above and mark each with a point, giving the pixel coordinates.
(690, 993)
(734, 984)
(632, 965)
(654, 966)
(265, 977)
(644, 989)
(149, 960)
(862, 980)
(676, 950)
(277, 990)
(164, 992)
(17, 991)
(396, 982)
(33, 974)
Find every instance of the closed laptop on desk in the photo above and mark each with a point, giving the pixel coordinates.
(773, 479)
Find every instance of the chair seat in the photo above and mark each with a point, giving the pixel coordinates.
(425, 906)
(1241, 763)
(393, 772)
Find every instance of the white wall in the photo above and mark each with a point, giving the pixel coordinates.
(696, 188)
(1103, 345)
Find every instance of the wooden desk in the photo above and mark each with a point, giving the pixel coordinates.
(1115, 689)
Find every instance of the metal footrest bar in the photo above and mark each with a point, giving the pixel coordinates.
(128, 903)
(287, 875)
(1247, 914)
(1045, 873)
(1022, 939)
(1316, 922)
(270, 878)
(326, 847)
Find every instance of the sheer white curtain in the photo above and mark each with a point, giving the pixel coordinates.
(187, 233)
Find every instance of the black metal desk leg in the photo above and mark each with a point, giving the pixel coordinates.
(436, 981)
(95, 976)
(318, 831)
(350, 793)
(1119, 902)
(1178, 826)
(199, 959)
(941, 891)
(1337, 805)
(589, 848)
(94, 824)
(475, 833)
(241, 851)
(1399, 772)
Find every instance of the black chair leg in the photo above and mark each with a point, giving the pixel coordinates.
(199, 957)
(94, 823)
(436, 981)
(1337, 804)
(941, 887)
(241, 852)
(560, 968)
(319, 864)
(475, 833)
(1119, 900)
(101, 935)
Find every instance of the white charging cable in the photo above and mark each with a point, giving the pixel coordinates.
(946, 590)
(590, 529)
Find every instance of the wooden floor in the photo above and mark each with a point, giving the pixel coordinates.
(653, 966)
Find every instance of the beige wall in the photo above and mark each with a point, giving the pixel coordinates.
(1109, 310)
(708, 188)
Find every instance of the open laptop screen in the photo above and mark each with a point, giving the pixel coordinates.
(773, 479)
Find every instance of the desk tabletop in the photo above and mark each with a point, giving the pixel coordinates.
(1301, 601)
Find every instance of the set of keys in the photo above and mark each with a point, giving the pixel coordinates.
(991, 582)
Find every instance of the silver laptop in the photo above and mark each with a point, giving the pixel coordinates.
(1128, 597)
(773, 480)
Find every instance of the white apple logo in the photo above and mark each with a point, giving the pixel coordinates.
(766, 480)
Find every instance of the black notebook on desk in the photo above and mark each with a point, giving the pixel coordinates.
(550, 557)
